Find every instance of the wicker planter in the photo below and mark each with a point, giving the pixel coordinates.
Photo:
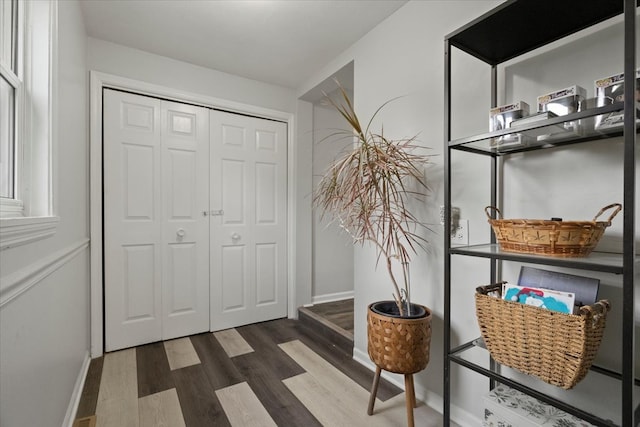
(397, 344)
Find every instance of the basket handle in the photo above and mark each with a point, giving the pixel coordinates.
(600, 307)
(484, 290)
(618, 207)
(486, 210)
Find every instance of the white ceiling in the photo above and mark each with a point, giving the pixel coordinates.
(282, 42)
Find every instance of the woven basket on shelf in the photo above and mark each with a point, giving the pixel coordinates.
(558, 348)
(548, 237)
(399, 345)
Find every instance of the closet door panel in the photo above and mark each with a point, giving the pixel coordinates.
(132, 220)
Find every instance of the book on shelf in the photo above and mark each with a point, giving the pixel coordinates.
(584, 288)
(549, 299)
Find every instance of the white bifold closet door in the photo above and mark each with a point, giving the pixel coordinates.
(249, 220)
(156, 223)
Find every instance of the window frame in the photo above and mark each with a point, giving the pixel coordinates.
(29, 216)
(13, 73)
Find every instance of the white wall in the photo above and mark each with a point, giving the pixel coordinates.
(150, 68)
(332, 247)
(44, 332)
(304, 216)
(404, 56)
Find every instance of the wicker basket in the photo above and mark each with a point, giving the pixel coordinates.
(398, 344)
(558, 348)
(548, 237)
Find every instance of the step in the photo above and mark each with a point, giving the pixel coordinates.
(338, 336)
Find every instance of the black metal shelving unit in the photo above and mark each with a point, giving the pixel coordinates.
(484, 38)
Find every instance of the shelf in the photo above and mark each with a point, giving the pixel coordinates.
(596, 261)
(543, 134)
(509, 30)
(598, 383)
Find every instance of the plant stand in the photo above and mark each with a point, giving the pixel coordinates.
(398, 345)
(409, 390)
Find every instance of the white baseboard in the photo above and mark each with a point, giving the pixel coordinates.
(396, 379)
(72, 410)
(338, 296)
(464, 418)
(433, 400)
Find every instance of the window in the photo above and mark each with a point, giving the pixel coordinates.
(28, 46)
(10, 88)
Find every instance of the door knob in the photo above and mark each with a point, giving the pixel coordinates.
(180, 232)
(235, 236)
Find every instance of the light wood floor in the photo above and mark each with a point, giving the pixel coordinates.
(269, 374)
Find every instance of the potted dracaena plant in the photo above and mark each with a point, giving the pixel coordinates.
(368, 190)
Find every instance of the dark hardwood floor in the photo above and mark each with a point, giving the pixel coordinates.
(340, 313)
(271, 373)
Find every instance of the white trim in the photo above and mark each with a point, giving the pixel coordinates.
(35, 161)
(35, 85)
(98, 81)
(11, 208)
(10, 77)
(52, 148)
(459, 416)
(17, 283)
(19, 231)
(95, 210)
(292, 309)
(395, 379)
(14, 207)
(338, 296)
(72, 409)
(463, 417)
